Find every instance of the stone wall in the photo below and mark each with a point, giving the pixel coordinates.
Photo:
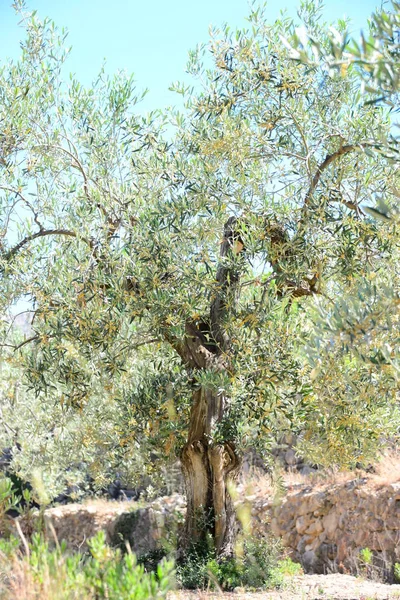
(323, 527)
(144, 527)
(326, 528)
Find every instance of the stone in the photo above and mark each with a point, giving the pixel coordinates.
(290, 539)
(392, 522)
(361, 538)
(304, 541)
(327, 552)
(375, 524)
(307, 471)
(315, 528)
(394, 488)
(302, 523)
(290, 457)
(343, 517)
(276, 530)
(310, 502)
(330, 523)
(308, 561)
(383, 542)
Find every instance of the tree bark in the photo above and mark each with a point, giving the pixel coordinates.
(208, 469)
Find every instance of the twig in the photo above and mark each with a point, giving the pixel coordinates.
(23, 538)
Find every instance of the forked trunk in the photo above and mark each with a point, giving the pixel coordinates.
(208, 470)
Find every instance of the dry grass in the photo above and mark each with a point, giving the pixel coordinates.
(385, 472)
(18, 582)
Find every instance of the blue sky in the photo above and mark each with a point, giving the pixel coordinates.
(149, 38)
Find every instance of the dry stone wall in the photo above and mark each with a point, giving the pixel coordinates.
(144, 527)
(324, 527)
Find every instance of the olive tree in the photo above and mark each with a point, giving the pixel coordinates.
(200, 239)
(374, 58)
(359, 332)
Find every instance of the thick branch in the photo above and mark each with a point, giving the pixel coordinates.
(205, 343)
(193, 351)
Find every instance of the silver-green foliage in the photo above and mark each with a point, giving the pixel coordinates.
(111, 227)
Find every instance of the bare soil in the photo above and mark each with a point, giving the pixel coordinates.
(307, 587)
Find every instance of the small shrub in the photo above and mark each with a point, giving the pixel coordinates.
(9, 546)
(396, 572)
(53, 574)
(285, 569)
(258, 566)
(192, 569)
(9, 501)
(151, 559)
(366, 556)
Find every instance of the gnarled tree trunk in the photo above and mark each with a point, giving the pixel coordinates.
(208, 466)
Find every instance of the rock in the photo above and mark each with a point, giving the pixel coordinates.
(302, 523)
(307, 471)
(361, 538)
(327, 552)
(305, 540)
(308, 561)
(392, 522)
(315, 528)
(309, 502)
(330, 523)
(290, 457)
(276, 530)
(375, 524)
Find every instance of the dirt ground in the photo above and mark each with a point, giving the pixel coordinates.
(307, 587)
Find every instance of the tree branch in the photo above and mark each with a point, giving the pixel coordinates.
(19, 194)
(227, 281)
(42, 233)
(138, 345)
(78, 165)
(113, 223)
(27, 341)
(328, 160)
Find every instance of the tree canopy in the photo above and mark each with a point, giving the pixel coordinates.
(228, 247)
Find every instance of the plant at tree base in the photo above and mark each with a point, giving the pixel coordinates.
(258, 565)
(206, 251)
